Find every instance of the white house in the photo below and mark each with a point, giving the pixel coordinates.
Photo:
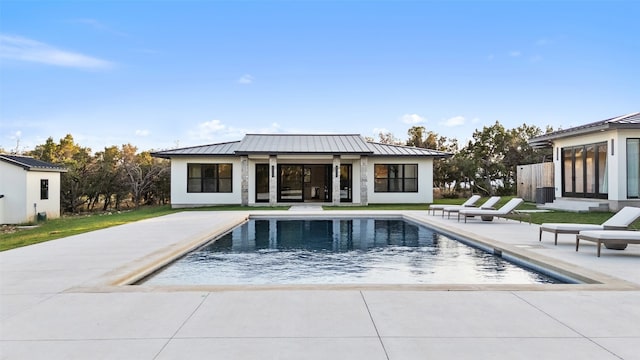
(287, 169)
(597, 163)
(28, 187)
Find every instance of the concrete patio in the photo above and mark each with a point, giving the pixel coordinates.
(63, 299)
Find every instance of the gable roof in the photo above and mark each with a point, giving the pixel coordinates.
(628, 121)
(31, 164)
(301, 144)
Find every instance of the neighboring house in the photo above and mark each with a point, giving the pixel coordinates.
(286, 169)
(597, 162)
(28, 187)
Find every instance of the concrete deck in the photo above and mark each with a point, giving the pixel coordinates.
(61, 300)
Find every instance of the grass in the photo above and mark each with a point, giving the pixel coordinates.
(69, 225)
(78, 224)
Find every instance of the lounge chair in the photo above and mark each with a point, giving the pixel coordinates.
(488, 205)
(488, 215)
(620, 221)
(470, 202)
(609, 237)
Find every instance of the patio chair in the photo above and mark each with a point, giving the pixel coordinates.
(611, 238)
(488, 205)
(470, 202)
(620, 221)
(487, 215)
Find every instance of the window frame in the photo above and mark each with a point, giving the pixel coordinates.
(397, 183)
(628, 169)
(44, 189)
(216, 179)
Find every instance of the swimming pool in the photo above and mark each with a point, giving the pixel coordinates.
(340, 251)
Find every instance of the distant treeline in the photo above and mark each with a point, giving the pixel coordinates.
(122, 176)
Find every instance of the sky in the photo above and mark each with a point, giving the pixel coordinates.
(166, 74)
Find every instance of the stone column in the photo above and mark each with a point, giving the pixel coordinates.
(273, 180)
(364, 190)
(335, 184)
(244, 180)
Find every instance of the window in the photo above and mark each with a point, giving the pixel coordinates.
(396, 177)
(262, 182)
(209, 178)
(633, 168)
(44, 189)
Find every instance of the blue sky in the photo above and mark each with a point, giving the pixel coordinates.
(158, 74)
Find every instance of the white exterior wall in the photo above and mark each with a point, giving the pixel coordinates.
(21, 190)
(425, 182)
(616, 163)
(50, 206)
(13, 185)
(181, 198)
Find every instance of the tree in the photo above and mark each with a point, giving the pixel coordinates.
(141, 171)
(75, 183)
(388, 138)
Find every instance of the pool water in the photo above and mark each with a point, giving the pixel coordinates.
(340, 251)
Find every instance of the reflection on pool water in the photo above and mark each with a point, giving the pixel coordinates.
(340, 251)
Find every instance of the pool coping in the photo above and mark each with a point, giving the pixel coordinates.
(123, 278)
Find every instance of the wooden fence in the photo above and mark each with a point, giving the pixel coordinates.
(531, 177)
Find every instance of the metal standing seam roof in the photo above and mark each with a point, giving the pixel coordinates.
(302, 144)
(628, 121)
(274, 144)
(29, 163)
(399, 150)
(221, 149)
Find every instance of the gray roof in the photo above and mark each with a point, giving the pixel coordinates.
(29, 163)
(304, 144)
(629, 121)
(399, 150)
(221, 149)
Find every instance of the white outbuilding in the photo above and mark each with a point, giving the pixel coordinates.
(29, 189)
(285, 169)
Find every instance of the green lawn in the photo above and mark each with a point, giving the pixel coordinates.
(77, 224)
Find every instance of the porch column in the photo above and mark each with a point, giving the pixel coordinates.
(244, 180)
(335, 184)
(273, 180)
(364, 167)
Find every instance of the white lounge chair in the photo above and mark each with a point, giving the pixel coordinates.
(506, 210)
(488, 205)
(609, 237)
(620, 221)
(470, 202)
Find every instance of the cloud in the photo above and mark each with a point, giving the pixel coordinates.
(216, 130)
(412, 119)
(454, 121)
(543, 42)
(144, 132)
(23, 49)
(245, 79)
(99, 26)
(515, 53)
(536, 58)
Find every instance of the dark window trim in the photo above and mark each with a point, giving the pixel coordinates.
(217, 178)
(44, 189)
(265, 166)
(583, 174)
(627, 167)
(402, 179)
